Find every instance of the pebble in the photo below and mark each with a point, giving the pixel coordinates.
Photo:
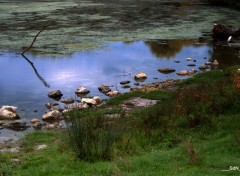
(189, 59)
(34, 120)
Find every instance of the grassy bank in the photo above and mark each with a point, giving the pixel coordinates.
(193, 130)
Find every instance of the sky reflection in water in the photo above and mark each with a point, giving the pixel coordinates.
(20, 86)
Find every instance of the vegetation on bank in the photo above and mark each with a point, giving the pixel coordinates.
(193, 130)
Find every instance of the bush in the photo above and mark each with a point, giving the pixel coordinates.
(93, 135)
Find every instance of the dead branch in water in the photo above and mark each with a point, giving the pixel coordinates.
(28, 48)
(35, 70)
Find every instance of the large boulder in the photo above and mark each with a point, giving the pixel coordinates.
(89, 101)
(140, 75)
(52, 115)
(92, 101)
(55, 94)
(8, 113)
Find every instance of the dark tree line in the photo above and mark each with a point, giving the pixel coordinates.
(233, 3)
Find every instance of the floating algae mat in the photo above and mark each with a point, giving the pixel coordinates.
(82, 25)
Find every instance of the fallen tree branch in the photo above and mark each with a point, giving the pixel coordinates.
(28, 48)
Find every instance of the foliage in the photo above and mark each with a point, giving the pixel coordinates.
(93, 136)
(192, 152)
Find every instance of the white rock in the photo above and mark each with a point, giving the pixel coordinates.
(208, 63)
(8, 112)
(40, 147)
(215, 63)
(202, 67)
(10, 150)
(16, 160)
(191, 72)
(189, 59)
(34, 120)
(14, 108)
(76, 106)
(52, 115)
(89, 101)
(82, 90)
(97, 99)
(51, 126)
(113, 93)
(182, 72)
(140, 75)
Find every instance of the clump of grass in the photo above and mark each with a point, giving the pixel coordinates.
(237, 137)
(6, 170)
(93, 135)
(192, 152)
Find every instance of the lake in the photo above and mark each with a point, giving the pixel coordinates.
(89, 43)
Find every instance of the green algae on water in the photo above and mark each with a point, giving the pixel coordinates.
(84, 25)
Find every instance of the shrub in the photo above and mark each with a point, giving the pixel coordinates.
(198, 103)
(93, 135)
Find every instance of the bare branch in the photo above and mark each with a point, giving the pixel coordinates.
(35, 70)
(34, 39)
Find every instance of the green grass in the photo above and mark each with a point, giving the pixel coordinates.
(217, 151)
(192, 131)
(207, 77)
(154, 95)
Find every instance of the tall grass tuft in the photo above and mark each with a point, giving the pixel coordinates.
(93, 136)
(192, 152)
(237, 137)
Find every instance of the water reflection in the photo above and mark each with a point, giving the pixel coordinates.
(117, 62)
(35, 70)
(169, 48)
(226, 54)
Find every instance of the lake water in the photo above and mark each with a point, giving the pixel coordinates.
(89, 44)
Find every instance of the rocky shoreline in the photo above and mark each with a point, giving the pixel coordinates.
(55, 114)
